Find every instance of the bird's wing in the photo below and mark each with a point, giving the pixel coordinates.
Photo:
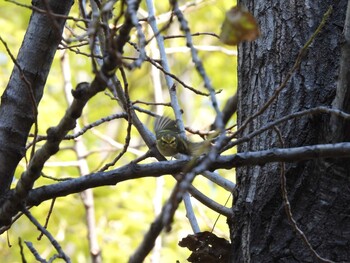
(165, 123)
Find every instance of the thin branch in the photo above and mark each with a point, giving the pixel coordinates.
(158, 65)
(86, 128)
(55, 179)
(317, 110)
(190, 213)
(206, 48)
(150, 103)
(128, 107)
(132, 7)
(43, 11)
(47, 217)
(167, 73)
(122, 115)
(148, 112)
(216, 178)
(78, 52)
(47, 234)
(193, 35)
(21, 250)
(210, 203)
(169, 81)
(288, 208)
(34, 252)
(198, 63)
(217, 219)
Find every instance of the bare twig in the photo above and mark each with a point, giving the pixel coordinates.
(169, 81)
(198, 63)
(34, 252)
(86, 128)
(21, 250)
(210, 203)
(159, 66)
(217, 219)
(128, 107)
(132, 7)
(78, 52)
(53, 241)
(47, 217)
(190, 213)
(193, 35)
(167, 73)
(288, 208)
(43, 11)
(150, 103)
(317, 110)
(219, 180)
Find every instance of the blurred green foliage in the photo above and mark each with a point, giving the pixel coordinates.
(123, 212)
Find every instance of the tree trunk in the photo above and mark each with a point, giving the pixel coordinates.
(318, 191)
(23, 93)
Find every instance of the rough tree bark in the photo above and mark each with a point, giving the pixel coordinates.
(25, 88)
(319, 190)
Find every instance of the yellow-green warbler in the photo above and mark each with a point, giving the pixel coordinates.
(170, 142)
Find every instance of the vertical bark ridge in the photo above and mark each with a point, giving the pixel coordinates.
(260, 231)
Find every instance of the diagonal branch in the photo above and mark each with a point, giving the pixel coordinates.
(43, 230)
(288, 208)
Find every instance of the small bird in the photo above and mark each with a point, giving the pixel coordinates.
(170, 142)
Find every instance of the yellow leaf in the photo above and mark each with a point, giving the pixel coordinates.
(239, 25)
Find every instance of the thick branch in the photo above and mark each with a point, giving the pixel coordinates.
(134, 171)
(25, 88)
